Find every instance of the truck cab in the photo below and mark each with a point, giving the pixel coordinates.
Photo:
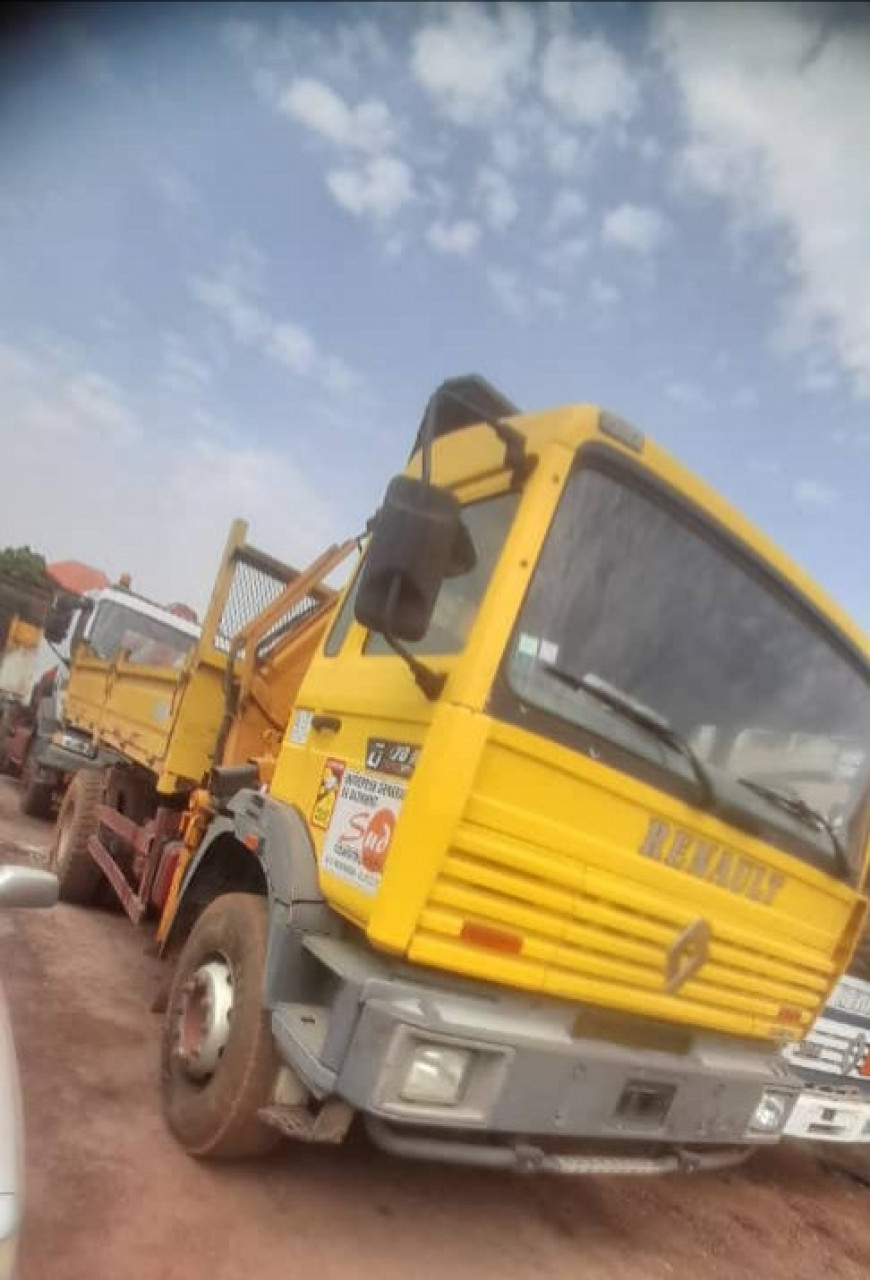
(529, 901)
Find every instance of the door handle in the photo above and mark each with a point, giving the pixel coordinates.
(326, 724)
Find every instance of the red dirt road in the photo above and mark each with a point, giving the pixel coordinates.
(110, 1195)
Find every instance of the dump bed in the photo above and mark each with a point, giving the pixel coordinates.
(227, 699)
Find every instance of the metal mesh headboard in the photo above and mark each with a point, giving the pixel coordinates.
(257, 581)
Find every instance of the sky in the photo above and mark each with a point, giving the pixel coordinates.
(241, 244)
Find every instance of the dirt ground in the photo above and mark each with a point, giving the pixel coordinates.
(109, 1194)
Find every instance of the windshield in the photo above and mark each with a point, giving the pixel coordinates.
(631, 591)
(146, 641)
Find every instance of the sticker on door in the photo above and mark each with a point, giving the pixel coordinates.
(360, 832)
(327, 793)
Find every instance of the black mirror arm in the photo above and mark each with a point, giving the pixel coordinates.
(430, 682)
(518, 462)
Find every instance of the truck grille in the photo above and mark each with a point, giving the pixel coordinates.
(598, 937)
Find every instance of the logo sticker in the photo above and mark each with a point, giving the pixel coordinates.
(327, 793)
(361, 829)
(396, 758)
(708, 861)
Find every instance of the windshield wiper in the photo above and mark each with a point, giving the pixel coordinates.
(631, 709)
(795, 804)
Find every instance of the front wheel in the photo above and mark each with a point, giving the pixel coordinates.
(78, 874)
(219, 1062)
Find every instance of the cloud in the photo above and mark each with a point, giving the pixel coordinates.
(294, 347)
(774, 99)
(245, 320)
(522, 300)
(688, 395)
(745, 398)
(460, 238)
(286, 342)
(812, 496)
(377, 190)
(368, 127)
(182, 371)
(568, 206)
(91, 428)
(587, 80)
(634, 227)
(495, 196)
(471, 60)
(53, 399)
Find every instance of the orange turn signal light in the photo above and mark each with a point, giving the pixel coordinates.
(484, 935)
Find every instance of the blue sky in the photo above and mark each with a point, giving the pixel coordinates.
(242, 243)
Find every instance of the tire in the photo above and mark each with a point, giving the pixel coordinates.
(34, 798)
(79, 875)
(214, 1115)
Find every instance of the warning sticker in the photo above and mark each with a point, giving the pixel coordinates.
(361, 829)
(327, 793)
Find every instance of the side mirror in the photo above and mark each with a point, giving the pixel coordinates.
(27, 887)
(418, 540)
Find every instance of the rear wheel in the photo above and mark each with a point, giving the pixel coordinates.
(219, 1062)
(79, 875)
(35, 796)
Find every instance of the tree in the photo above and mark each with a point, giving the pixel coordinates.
(24, 564)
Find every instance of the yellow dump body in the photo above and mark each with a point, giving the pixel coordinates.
(228, 701)
(476, 843)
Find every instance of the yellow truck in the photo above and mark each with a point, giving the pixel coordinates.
(511, 892)
(153, 702)
(33, 619)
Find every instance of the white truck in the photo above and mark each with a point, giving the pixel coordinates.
(34, 741)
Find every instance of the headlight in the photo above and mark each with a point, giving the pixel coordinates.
(772, 1112)
(435, 1075)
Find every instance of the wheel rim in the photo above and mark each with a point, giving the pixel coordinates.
(201, 1027)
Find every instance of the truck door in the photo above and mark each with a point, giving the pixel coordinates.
(353, 739)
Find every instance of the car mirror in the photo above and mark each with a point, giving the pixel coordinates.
(27, 887)
(417, 541)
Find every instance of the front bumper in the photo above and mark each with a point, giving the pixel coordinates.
(830, 1115)
(68, 753)
(537, 1095)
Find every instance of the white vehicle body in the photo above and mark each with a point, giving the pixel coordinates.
(138, 605)
(834, 1060)
(19, 887)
